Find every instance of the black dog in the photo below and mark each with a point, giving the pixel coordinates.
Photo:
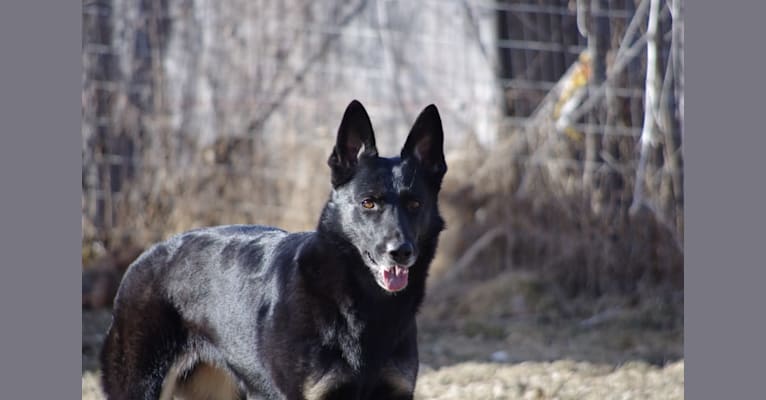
(255, 312)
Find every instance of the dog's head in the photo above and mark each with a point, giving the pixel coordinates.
(387, 207)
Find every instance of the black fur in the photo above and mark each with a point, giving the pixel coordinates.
(294, 315)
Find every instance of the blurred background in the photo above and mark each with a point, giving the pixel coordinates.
(560, 274)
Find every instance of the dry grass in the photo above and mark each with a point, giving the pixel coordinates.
(505, 214)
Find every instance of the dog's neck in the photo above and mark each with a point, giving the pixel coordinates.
(330, 232)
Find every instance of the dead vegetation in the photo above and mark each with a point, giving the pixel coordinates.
(504, 213)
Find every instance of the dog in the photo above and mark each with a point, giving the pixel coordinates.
(254, 312)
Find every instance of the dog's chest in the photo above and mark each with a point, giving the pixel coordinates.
(359, 354)
(343, 333)
(360, 336)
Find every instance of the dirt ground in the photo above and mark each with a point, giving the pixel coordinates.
(530, 380)
(486, 344)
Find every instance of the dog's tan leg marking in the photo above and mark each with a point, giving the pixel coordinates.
(169, 384)
(400, 381)
(318, 387)
(204, 382)
(208, 382)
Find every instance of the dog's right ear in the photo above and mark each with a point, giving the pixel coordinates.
(355, 140)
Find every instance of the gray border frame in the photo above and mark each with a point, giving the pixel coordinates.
(725, 326)
(40, 213)
(40, 201)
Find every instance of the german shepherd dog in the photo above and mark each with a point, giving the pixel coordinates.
(254, 312)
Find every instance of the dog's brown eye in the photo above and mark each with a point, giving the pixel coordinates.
(413, 204)
(368, 203)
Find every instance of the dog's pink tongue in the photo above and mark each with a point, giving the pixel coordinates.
(395, 278)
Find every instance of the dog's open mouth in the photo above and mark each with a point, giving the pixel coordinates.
(395, 278)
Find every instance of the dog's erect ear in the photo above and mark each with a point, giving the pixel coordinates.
(426, 142)
(355, 139)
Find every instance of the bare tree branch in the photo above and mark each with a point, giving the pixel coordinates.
(649, 135)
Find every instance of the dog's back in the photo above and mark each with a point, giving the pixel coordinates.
(237, 311)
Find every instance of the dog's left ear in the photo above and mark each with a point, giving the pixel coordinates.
(355, 139)
(426, 142)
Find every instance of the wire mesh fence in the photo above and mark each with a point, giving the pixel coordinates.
(198, 112)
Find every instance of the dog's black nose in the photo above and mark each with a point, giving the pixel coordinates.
(400, 253)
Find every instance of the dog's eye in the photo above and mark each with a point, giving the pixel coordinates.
(413, 204)
(368, 203)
